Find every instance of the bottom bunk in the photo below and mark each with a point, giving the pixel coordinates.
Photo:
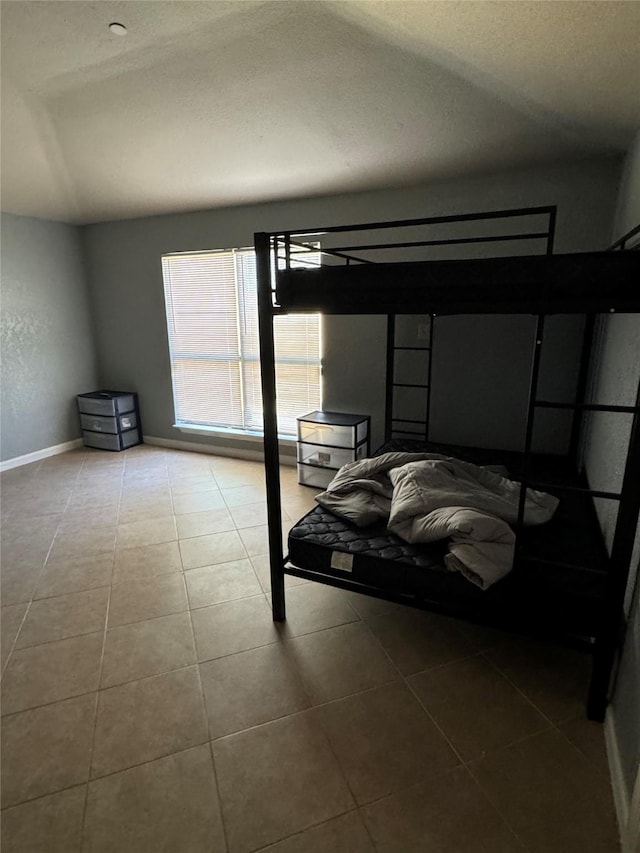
(555, 589)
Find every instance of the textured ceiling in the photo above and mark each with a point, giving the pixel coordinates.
(205, 104)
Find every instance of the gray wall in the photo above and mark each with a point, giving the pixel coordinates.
(617, 381)
(125, 276)
(47, 336)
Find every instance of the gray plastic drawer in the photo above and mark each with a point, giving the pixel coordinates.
(129, 438)
(105, 403)
(100, 423)
(107, 441)
(330, 457)
(330, 435)
(318, 477)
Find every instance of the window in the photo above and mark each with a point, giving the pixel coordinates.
(212, 318)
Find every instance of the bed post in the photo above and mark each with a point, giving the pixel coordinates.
(531, 411)
(581, 387)
(271, 451)
(388, 407)
(613, 618)
(427, 428)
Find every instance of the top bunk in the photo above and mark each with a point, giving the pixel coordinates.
(493, 262)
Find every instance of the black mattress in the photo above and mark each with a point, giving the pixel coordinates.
(558, 579)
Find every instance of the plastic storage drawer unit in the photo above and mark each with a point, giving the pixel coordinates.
(326, 442)
(100, 423)
(110, 420)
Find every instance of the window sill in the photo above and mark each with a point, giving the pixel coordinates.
(233, 434)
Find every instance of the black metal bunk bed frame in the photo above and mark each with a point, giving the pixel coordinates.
(584, 283)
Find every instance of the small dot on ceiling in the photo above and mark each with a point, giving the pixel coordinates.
(118, 29)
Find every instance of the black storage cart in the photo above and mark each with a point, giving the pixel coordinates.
(110, 420)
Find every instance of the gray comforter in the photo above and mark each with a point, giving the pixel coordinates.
(426, 497)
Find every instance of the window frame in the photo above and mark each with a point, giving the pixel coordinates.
(245, 356)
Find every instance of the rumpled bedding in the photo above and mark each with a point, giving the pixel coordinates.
(425, 497)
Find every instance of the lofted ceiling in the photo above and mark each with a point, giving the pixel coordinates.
(216, 103)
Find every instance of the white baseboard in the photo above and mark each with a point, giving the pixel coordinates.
(17, 461)
(620, 792)
(215, 449)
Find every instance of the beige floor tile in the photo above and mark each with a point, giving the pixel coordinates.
(416, 641)
(198, 502)
(25, 532)
(147, 648)
(19, 569)
(384, 741)
(262, 569)
(367, 607)
(51, 824)
(141, 492)
(146, 562)
(74, 575)
(550, 795)
(211, 549)
(147, 598)
(233, 473)
(298, 506)
(170, 804)
(143, 720)
(18, 582)
(555, 679)
(188, 464)
(224, 582)
(234, 626)
(85, 543)
(344, 834)
(245, 495)
(11, 618)
(250, 688)
(46, 749)
(64, 616)
(204, 523)
(313, 607)
(340, 661)
(476, 707)
(43, 504)
(76, 518)
(28, 537)
(191, 485)
(145, 511)
(41, 674)
(483, 637)
(447, 814)
(588, 737)
(87, 496)
(294, 782)
(150, 532)
(256, 539)
(249, 515)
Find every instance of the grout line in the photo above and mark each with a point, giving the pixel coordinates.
(282, 639)
(44, 563)
(107, 775)
(43, 796)
(100, 669)
(404, 679)
(519, 690)
(300, 832)
(463, 763)
(206, 722)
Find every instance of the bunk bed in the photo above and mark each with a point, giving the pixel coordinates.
(565, 583)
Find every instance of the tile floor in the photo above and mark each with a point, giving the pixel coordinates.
(151, 704)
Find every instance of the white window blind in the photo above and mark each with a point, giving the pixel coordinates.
(212, 320)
